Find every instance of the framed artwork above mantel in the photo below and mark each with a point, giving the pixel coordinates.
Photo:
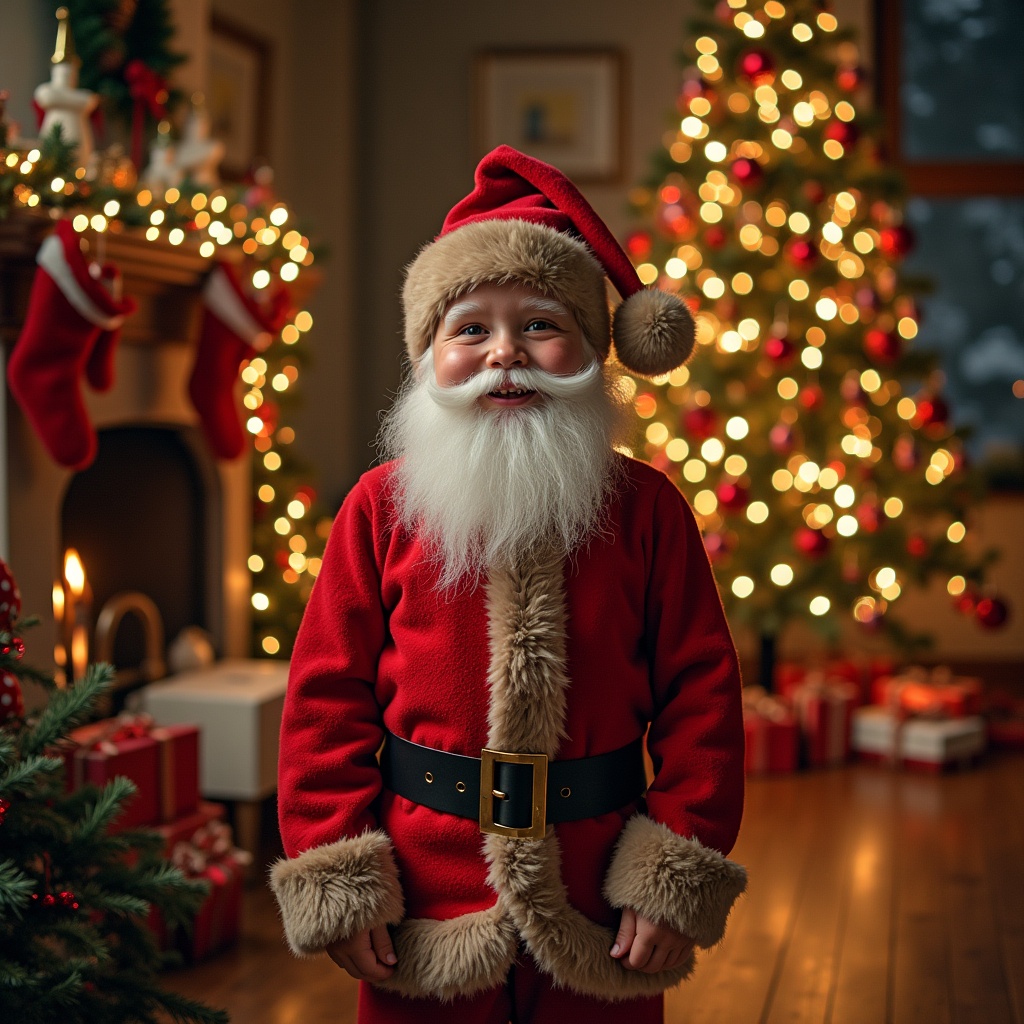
(563, 106)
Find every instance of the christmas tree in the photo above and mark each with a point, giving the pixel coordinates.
(74, 946)
(812, 440)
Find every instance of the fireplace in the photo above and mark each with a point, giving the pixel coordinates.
(162, 529)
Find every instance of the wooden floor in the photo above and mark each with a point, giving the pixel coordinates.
(875, 896)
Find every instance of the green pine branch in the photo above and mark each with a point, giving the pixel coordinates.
(66, 709)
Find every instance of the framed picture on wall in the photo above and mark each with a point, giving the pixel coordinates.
(238, 96)
(562, 106)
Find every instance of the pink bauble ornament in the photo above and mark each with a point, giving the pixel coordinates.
(716, 545)
(812, 543)
(12, 704)
(842, 132)
(882, 346)
(932, 411)
(779, 349)
(992, 612)
(782, 438)
(757, 67)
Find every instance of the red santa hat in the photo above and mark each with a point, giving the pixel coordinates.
(526, 222)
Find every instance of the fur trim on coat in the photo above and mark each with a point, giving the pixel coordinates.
(332, 892)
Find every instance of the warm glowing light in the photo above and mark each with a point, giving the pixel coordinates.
(716, 152)
(737, 428)
(956, 532)
(845, 111)
(753, 29)
(74, 572)
(283, 526)
(826, 308)
(782, 480)
(799, 223)
(266, 493)
(956, 586)
(712, 450)
(296, 508)
(775, 10)
(870, 381)
(863, 242)
(907, 327)
(156, 217)
(846, 526)
(802, 32)
(80, 223)
(782, 139)
(694, 470)
(893, 507)
(730, 341)
(885, 577)
(750, 236)
(254, 424)
(705, 502)
(710, 213)
(811, 358)
(757, 511)
(828, 478)
(799, 290)
(819, 605)
(906, 408)
(782, 574)
(844, 496)
(832, 148)
(260, 601)
(647, 272)
(657, 433)
(255, 563)
(803, 114)
(743, 284)
(808, 472)
(272, 461)
(705, 44)
(788, 388)
(735, 465)
(677, 449)
(692, 126)
(743, 586)
(675, 268)
(261, 279)
(713, 287)
(827, 22)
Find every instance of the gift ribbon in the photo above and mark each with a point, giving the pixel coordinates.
(148, 90)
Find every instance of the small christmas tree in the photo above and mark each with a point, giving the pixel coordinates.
(74, 946)
(811, 438)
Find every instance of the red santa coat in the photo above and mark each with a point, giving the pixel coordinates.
(568, 657)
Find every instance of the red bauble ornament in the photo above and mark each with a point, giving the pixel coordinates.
(896, 241)
(691, 89)
(281, 558)
(869, 517)
(849, 79)
(746, 171)
(638, 245)
(268, 412)
(716, 545)
(812, 543)
(811, 397)
(10, 598)
(675, 220)
(814, 191)
(732, 497)
(779, 349)
(757, 67)
(5, 806)
(12, 704)
(867, 298)
(714, 237)
(700, 422)
(905, 454)
(917, 546)
(882, 346)
(992, 612)
(842, 132)
(931, 412)
(966, 602)
(802, 253)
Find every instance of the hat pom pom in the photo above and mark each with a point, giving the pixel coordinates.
(653, 332)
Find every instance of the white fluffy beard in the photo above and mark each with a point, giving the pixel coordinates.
(487, 487)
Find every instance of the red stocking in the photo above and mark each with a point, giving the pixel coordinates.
(68, 310)
(233, 324)
(99, 370)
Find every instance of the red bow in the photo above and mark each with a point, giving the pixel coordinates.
(149, 91)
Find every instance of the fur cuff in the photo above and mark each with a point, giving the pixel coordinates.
(673, 880)
(332, 892)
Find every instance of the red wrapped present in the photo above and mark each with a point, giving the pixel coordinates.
(104, 750)
(1004, 714)
(771, 733)
(824, 709)
(937, 693)
(184, 828)
(179, 769)
(210, 854)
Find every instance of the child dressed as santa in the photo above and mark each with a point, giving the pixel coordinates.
(506, 608)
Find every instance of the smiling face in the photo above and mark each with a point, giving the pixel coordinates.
(504, 327)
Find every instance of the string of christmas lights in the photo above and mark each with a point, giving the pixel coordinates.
(811, 438)
(288, 534)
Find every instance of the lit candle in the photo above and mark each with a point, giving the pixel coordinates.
(79, 652)
(76, 613)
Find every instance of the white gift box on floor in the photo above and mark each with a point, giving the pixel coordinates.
(923, 742)
(237, 703)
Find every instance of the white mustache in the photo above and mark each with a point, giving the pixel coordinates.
(466, 394)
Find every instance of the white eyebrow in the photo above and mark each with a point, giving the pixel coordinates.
(548, 306)
(459, 310)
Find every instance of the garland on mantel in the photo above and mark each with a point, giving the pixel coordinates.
(288, 532)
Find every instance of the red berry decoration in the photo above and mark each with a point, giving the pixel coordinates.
(68, 900)
(882, 346)
(812, 543)
(10, 598)
(5, 806)
(732, 497)
(896, 241)
(802, 253)
(700, 422)
(757, 67)
(746, 171)
(849, 79)
(638, 245)
(842, 132)
(779, 349)
(992, 612)
(12, 704)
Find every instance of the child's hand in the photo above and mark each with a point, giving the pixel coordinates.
(368, 955)
(642, 945)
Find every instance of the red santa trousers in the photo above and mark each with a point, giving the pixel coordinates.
(527, 997)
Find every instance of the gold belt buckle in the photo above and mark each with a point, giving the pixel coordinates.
(488, 794)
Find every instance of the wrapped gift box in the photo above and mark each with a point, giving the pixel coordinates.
(771, 732)
(927, 743)
(824, 710)
(938, 693)
(179, 769)
(184, 828)
(219, 921)
(100, 753)
(860, 673)
(1004, 714)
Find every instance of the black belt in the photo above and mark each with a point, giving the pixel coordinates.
(515, 795)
